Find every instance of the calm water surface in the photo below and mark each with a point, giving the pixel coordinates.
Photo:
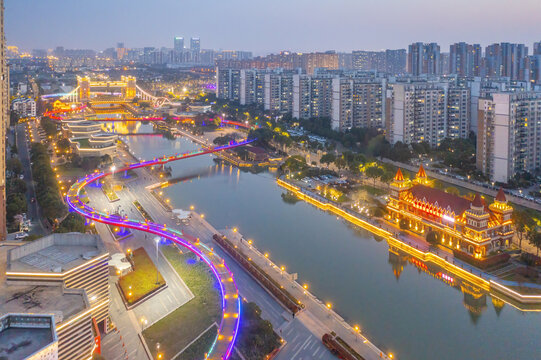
(401, 308)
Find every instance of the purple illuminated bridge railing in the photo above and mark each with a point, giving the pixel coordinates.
(231, 303)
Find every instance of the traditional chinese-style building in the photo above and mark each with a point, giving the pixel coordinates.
(470, 226)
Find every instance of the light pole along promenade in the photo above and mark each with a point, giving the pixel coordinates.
(231, 303)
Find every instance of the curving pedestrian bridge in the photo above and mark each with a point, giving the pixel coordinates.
(231, 303)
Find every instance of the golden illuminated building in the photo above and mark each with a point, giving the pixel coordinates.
(469, 226)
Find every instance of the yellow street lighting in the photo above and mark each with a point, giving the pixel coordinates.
(266, 255)
(305, 286)
(329, 306)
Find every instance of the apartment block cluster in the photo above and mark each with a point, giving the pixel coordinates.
(179, 55)
(418, 95)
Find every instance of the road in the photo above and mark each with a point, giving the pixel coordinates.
(33, 212)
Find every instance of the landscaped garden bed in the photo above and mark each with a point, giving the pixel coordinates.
(143, 280)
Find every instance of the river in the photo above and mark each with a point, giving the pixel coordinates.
(399, 305)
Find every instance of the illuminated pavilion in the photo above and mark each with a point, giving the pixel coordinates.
(469, 226)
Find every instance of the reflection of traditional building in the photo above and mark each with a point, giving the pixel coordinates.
(466, 225)
(397, 262)
(475, 300)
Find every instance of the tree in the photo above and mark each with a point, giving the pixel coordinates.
(48, 126)
(523, 222)
(327, 158)
(374, 172)
(16, 186)
(63, 145)
(14, 165)
(72, 223)
(534, 238)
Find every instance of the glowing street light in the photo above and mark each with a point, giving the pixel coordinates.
(157, 240)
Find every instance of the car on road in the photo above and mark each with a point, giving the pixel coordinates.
(21, 176)
(21, 235)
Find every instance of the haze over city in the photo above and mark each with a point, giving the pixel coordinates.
(270, 26)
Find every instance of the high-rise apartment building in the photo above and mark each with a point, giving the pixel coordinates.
(509, 134)
(534, 68)
(465, 59)
(195, 44)
(278, 92)
(327, 60)
(395, 61)
(508, 60)
(357, 102)
(361, 60)
(416, 113)
(537, 48)
(4, 119)
(252, 86)
(458, 112)
(312, 96)
(228, 84)
(424, 59)
(178, 44)
(390, 61)
(427, 111)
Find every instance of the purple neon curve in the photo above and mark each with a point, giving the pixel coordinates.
(231, 303)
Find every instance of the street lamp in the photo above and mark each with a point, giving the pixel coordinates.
(157, 240)
(113, 168)
(143, 323)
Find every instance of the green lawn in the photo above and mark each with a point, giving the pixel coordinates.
(186, 323)
(142, 279)
(200, 346)
(70, 172)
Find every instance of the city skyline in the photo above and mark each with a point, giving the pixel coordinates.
(402, 25)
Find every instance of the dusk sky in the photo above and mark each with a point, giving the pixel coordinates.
(269, 26)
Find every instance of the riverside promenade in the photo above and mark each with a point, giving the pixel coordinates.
(317, 316)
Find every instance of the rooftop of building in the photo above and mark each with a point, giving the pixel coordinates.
(25, 334)
(55, 253)
(440, 198)
(43, 299)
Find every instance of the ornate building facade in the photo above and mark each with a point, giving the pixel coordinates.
(470, 226)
